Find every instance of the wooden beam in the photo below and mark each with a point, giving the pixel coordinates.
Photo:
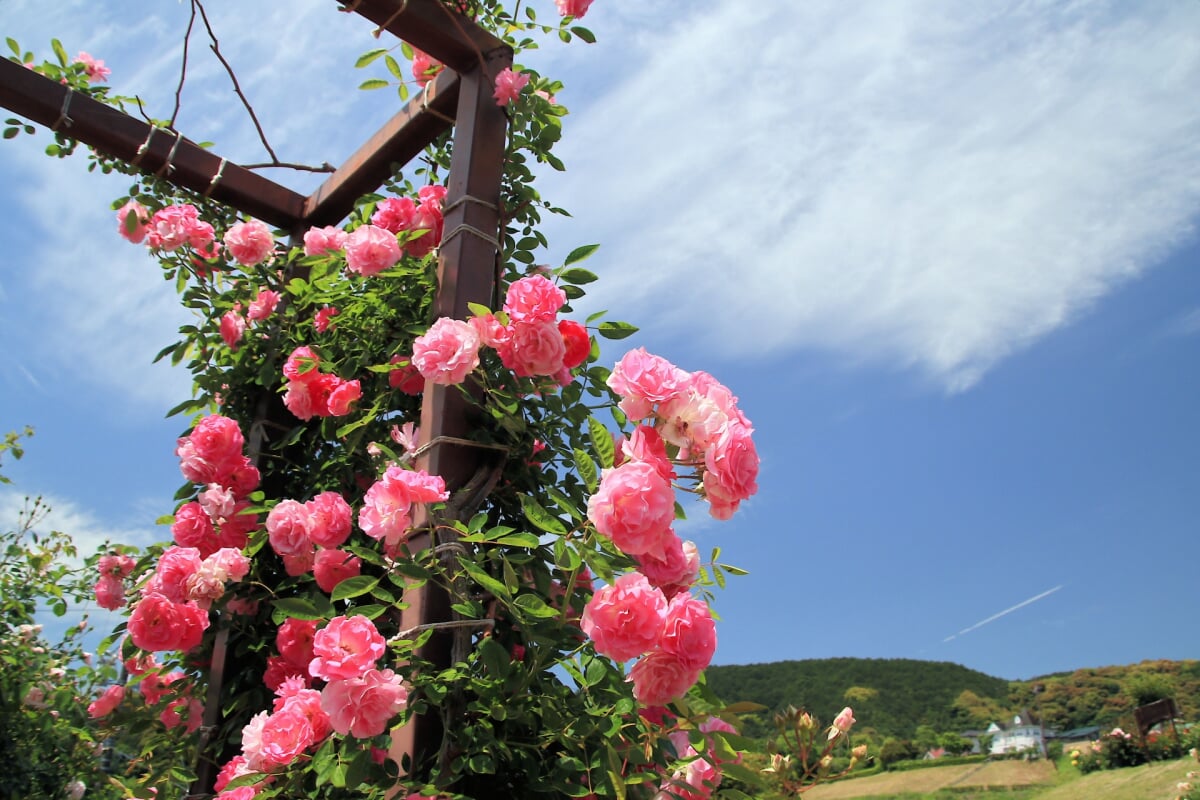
(402, 138)
(430, 25)
(466, 274)
(121, 136)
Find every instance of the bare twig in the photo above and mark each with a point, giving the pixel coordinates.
(187, 38)
(326, 167)
(216, 48)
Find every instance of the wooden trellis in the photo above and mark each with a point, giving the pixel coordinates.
(458, 98)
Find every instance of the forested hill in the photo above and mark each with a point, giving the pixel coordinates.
(896, 695)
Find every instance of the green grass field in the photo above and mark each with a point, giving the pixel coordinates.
(1013, 780)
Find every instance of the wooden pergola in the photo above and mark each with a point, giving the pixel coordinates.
(459, 99)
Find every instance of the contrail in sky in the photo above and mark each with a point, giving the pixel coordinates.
(995, 617)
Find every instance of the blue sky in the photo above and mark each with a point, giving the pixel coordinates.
(946, 255)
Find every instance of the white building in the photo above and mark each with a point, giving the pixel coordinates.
(1022, 733)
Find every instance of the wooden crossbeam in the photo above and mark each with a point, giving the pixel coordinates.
(431, 26)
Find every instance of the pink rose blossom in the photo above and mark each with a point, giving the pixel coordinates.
(158, 624)
(842, 723)
(187, 711)
(407, 378)
(252, 743)
(346, 648)
(299, 565)
(133, 221)
(659, 679)
(318, 241)
(174, 567)
(175, 226)
(537, 348)
(233, 328)
(235, 529)
(643, 380)
(321, 319)
(677, 571)
(343, 397)
(534, 298)
(363, 706)
(211, 450)
(296, 698)
(263, 305)
(690, 634)
(647, 446)
(386, 513)
(331, 567)
(634, 507)
(249, 242)
(573, 8)
(625, 620)
(284, 736)
(107, 702)
(731, 470)
(407, 436)
(395, 214)
(509, 85)
(218, 502)
(94, 67)
(234, 768)
(447, 352)
(424, 67)
(116, 565)
(370, 250)
(295, 641)
(302, 365)
(330, 519)
(110, 593)
(287, 528)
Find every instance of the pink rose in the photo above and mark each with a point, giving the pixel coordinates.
(154, 687)
(174, 567)
(625, 620)
(363, 706)
(249, 242)
(218, 441)
(284, 736)
(234, 768)
(642, 380)
(690, 634)
(395, 214)
(343, 397)
(217, 501)
(424, 67)
(159, 624)
(321, 319)
(346, 648)
(287, 528)
(534, 298)
(659, 678)
(330, 519)
(234, 529)
(107, 702)
(174, 226)
(370, 250)
(252, 743)
(634, 507)
(94, 67)
(133, 221)
(842, 723)
(263, 305)
(110, 593)
(731, 470)
(493, 334)
(193, 527)
(447, 352)
(678, 570)
(233, 328)
(186, 711)
(299, 565)
(407, 378)
(537, 348)
(647, 446)
(116, 565)
(295, 641)
(318, 241)
(509, 85)
(573, 8)
(331, 567)
(302, 365)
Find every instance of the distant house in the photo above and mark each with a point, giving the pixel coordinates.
(973, 738)
(1022, 733)
(1076, 735)
(936, 752)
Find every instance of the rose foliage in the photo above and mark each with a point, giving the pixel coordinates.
(579, 621)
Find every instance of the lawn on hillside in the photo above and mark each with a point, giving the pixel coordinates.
(995, 774)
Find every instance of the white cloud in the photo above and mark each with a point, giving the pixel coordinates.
(86, 530)
(933, 185)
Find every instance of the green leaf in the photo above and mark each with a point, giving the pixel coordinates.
(602, 442)
(56, 45)
(483, 579)
(495, 658)
(12, 45)
(394, 67)
(353, 587)
(733, 570)
(617, 330)
(478, 309)
(587, 470)
(580, 253)
(584, 33)
(374, 83)
(518, 540)
(540, 517)
(534, 606)
(578, 275)
(303, 608)
(10, 133)
(369, 56)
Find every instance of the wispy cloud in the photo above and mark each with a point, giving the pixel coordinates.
(1003, 613)
(917, 184)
